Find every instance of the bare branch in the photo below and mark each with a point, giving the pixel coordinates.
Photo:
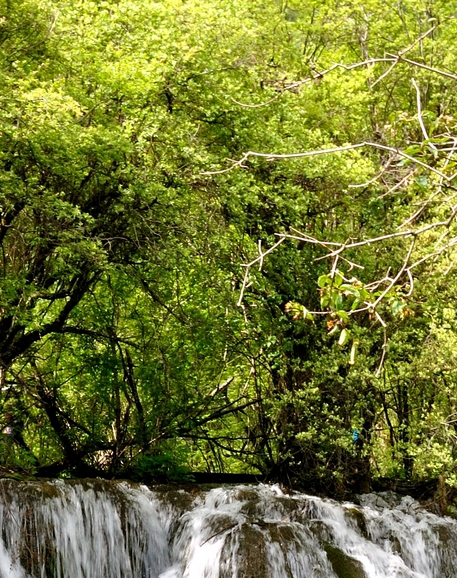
(429, 68)
(314, 78)
(259, 259)
(262, 255)
(304, 237)
(244, 286)
(275, 156)
(398, 185)
(394, 59)
(386, 73)
(383, 355)
(439, 232)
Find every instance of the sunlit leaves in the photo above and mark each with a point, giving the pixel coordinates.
(298, 311)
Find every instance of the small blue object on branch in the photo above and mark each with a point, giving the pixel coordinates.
(355, 435)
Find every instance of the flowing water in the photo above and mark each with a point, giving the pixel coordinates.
(96, 529)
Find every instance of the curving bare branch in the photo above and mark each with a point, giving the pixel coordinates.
(394, 59)
(282, 156)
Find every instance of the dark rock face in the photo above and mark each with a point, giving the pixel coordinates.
(343, 565)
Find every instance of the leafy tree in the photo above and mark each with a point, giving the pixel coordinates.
(124, 346)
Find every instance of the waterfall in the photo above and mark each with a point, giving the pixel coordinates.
(98, 529)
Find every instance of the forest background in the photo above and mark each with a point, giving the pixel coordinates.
(146, 329)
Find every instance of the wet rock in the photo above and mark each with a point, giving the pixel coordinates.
(448, 539)
(343, 565)
(27, 491)
(358, 518)
(320, 530)
(90, 528)
(180, 499)
(217, 524)
(283, 534)
(251, 558)
(380, 501)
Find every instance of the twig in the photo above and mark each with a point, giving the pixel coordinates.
(429, 68)
(419, 115)
(397, 277)
(308, 239)
(419, 211)
(244, 286)
(248, 266)
(443, 151)
(398, 185)
(400, 54)
(411, 283)
(374, 179)
(262, 255)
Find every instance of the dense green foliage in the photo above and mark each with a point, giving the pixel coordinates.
(124, 348)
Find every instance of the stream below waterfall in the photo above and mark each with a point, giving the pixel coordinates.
(99, 529)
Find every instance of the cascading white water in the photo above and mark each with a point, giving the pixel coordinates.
(95, 529)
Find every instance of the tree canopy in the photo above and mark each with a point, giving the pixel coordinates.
(227, 237)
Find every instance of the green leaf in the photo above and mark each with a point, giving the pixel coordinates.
(307, 315)
(412, 150)
(355, 344)
(338, 302)
(325, 301)
(344, 337)
(422, 181)
(343, 315)
(333, 330)
(324, 280)
(338, 279)
(397, 307)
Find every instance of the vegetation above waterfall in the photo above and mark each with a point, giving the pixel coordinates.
(228, 239)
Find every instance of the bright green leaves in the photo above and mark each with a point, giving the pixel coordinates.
(298, 311)
(347, 297)
(342, 297)
(26, 35)
(343, 301)
(397, 307)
